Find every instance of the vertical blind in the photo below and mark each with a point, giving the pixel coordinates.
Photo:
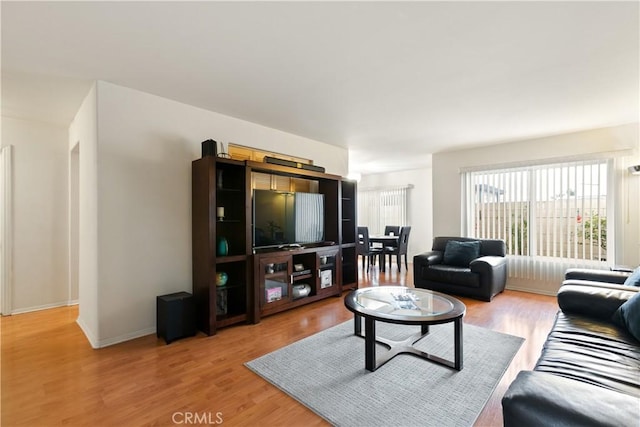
(551, 216)
(378, 207)
(309, 217)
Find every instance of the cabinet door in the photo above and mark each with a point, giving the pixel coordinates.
(274, 275)
(327, 282)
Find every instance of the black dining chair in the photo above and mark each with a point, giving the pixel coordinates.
(400, 249)
(364, 248)
(391, 229)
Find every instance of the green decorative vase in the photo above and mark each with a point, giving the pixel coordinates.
(223, 247)
(221, 278)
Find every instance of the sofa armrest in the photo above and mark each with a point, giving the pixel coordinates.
(593, 299)
(606, 276)
(429, 258)
(541, 399)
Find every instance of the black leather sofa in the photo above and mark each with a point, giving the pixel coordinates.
(589, 371)
(483, 278)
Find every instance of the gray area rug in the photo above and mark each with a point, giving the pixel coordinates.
(325, 372)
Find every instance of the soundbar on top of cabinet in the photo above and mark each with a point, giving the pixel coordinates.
(292, 164)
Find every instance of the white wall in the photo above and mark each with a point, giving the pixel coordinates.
(142, 248)
(419, 216)
(40, 273)
(83, 135)
(447, 190)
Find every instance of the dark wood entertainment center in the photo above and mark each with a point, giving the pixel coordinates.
(235, 283)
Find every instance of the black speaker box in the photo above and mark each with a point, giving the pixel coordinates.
(209, 148)
(175, 316)
(313, 168)
(292, 164)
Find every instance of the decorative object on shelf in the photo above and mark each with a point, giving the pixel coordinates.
(209, 148)
(223, 247)
(219, 179)
(221, 302)
(273, 294)
(301, 290)
(323, 260)
(301, 272)
(220, 213)
(298, 267)
(325, 279)
(221, 278)
(223, 154)
(270, 269)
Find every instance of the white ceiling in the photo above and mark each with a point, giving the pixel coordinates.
(391, 81)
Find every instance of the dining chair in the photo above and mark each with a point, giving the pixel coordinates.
(400, 249)
(391, 229)
(364, 248)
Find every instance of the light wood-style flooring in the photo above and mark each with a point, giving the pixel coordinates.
(50, 375)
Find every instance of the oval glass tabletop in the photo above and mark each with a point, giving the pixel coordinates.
(400, 302)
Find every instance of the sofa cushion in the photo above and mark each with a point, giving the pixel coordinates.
(537, 399)
(461, 254)
(628, 316)
(452, 274)
(594, 352)
(634, 279)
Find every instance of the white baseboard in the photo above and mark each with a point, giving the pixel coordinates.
(101, 343)
(126, 337)
(44, 307)
(88, 333)
(91, 337)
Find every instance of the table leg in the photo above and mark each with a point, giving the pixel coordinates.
(458, 343)
(369, 344)
(357, 325)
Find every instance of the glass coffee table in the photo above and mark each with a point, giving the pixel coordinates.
(404, 306)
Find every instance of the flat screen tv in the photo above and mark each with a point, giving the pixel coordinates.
(284, 218)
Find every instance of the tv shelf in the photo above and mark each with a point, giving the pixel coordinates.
(261, 281)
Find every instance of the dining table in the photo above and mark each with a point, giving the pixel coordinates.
(383, 241)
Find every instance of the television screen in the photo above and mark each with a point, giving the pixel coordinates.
(281, 218)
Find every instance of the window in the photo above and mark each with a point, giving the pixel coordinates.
(557, 210)
(378, 207)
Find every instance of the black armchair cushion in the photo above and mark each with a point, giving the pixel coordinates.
(452, 274)
(494, 247)
(461, 254)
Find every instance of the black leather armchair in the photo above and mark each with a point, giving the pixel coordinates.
(483, 278)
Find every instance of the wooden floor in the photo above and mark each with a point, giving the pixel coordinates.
(52, 376)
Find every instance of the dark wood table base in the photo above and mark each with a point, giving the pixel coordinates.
(405, 346)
